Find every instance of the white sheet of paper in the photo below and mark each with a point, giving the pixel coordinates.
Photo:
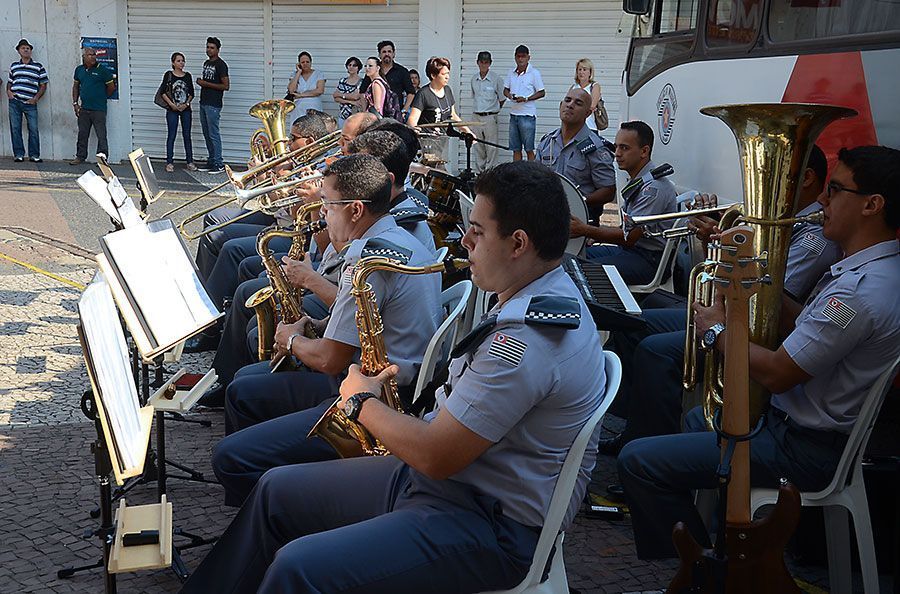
(128, 213)
(96, 187)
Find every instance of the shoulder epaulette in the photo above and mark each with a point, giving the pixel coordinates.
(586, 146)
(608, 145)
(417, 197)
(564, 312)
(405, 215)
(377, 246)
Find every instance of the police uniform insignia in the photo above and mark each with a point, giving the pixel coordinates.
(416, 196)
(839, 312)
(813, 243)
(554, 311)
(385, 249)
(586, 147)
(409, 214)
(507, 348)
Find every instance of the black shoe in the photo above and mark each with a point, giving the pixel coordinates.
(611, 446)
(615, 493)
(202, 342)
(19, 159)
(214, 397)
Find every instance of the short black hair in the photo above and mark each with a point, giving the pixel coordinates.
(522, 49)
(406, 134)
(484, 57)
(310, 126)
(388, 147)
(384, 43)
(818, 163)
(327, 118)
(353, 60)
(876, 170)
(304, 53)
(643, 131)
(528, 196)
(362, 177)
(215, 41)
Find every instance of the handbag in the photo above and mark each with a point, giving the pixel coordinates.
(601, 117)
(163, 88)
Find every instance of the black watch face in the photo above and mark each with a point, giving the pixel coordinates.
(709, 338)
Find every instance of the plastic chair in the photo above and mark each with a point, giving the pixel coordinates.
(556, 582)
(441, 254)
(666, 265)
(455, 300)
(846, 492)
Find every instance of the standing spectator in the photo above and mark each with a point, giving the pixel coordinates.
(523, 87)
(307, 85)
(415, 79)
(396, 76)
(213, 85)
(347, 93)
(93, 84)
(25, 87)
(435, 103)
(178, 92)
(487, 100)
(376, 88)
(584, 79)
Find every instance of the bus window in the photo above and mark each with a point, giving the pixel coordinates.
(794, 20)
(674, 26)
(733, 23)
(677, 15)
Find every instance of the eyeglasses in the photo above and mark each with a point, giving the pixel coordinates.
(834, 187)
(328, 203)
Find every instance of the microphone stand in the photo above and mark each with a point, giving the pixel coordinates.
(467, 175)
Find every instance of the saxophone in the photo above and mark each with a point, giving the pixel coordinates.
(280, 301)
(349, 438)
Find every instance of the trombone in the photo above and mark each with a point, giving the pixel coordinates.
(815, 217)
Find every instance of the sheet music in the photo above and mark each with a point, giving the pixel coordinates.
(111, 197)
(128, 213)
(161, 280)
(112, 370)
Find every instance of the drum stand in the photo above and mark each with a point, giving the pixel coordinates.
(467, 175)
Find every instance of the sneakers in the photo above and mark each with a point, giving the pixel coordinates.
(76, 161)
(205, 167)
(216, 170)
(19, 159)
(190, 167)
(170, 168)
(36, 160)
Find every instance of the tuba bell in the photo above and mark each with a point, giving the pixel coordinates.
(774, 142)
(272, 114)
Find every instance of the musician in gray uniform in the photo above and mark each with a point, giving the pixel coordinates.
(459, 505)
(634, 253)
(844, 338)
(579, 154)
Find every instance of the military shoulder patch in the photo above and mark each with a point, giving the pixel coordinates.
(813, 243)
(507, 348)
(418, 197)
(409, 214)
(839, 312)
(385, 249)
(564, 312)
(586, 146)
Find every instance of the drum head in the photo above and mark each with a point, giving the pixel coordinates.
(578, 208)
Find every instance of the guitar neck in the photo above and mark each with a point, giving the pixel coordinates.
(736, 406)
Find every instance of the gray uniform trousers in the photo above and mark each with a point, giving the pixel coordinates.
(209, 246)
(365, 525)
(659, 474)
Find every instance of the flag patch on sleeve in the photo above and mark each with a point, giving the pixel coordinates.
(839, 312)
(813, 243)
(507, 348)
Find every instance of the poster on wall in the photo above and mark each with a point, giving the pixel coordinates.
(107, 54)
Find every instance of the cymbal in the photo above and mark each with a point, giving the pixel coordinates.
(445, 124)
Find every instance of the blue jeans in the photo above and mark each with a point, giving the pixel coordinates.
(209, 123)
(172, 118)
(636, 265)
(18, 108)
(521, 132)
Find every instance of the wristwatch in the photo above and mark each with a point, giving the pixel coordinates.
(710, 336)
(353, 405)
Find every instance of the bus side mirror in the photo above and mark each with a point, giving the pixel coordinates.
(638, 7)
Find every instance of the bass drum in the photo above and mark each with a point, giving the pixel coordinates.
(578, 208)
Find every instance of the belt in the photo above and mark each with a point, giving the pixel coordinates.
(822, 436)
(486, 113)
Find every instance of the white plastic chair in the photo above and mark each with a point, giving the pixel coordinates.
(556, 582)
(847, 491)
(441, 254)
(455, 300)
(666, 264)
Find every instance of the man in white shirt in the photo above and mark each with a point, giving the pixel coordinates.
(523, 87)
(487, 100)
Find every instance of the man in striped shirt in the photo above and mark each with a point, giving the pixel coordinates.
(25, 87)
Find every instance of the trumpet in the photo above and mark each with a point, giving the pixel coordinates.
(247, 198)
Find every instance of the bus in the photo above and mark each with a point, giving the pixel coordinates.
(688, 54)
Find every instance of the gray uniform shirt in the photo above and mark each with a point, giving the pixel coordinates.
(656, 196)
(529, 388)
(410, 305)
(411, 214)
(810, 255)
(846, 335)
(584, 160)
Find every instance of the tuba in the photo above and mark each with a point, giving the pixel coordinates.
(349, 438)
(272, 114)
(774, 141)
(280, 301)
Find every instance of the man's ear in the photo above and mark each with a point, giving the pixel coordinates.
(809, 178)
(521, 241)
(393, 179)
(874, 205)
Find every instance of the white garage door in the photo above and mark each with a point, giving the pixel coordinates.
(333, 33)
(558, 34)
(156, 28)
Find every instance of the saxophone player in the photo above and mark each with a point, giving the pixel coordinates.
(263, 410)
(459, 505)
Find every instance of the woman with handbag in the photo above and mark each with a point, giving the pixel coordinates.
(584, 79)
(175, 95)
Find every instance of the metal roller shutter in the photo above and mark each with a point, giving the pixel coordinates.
(333, 33)
(156, 28)
(558, 34)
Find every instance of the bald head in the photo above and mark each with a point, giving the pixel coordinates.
(354, 126)
(575, 106)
